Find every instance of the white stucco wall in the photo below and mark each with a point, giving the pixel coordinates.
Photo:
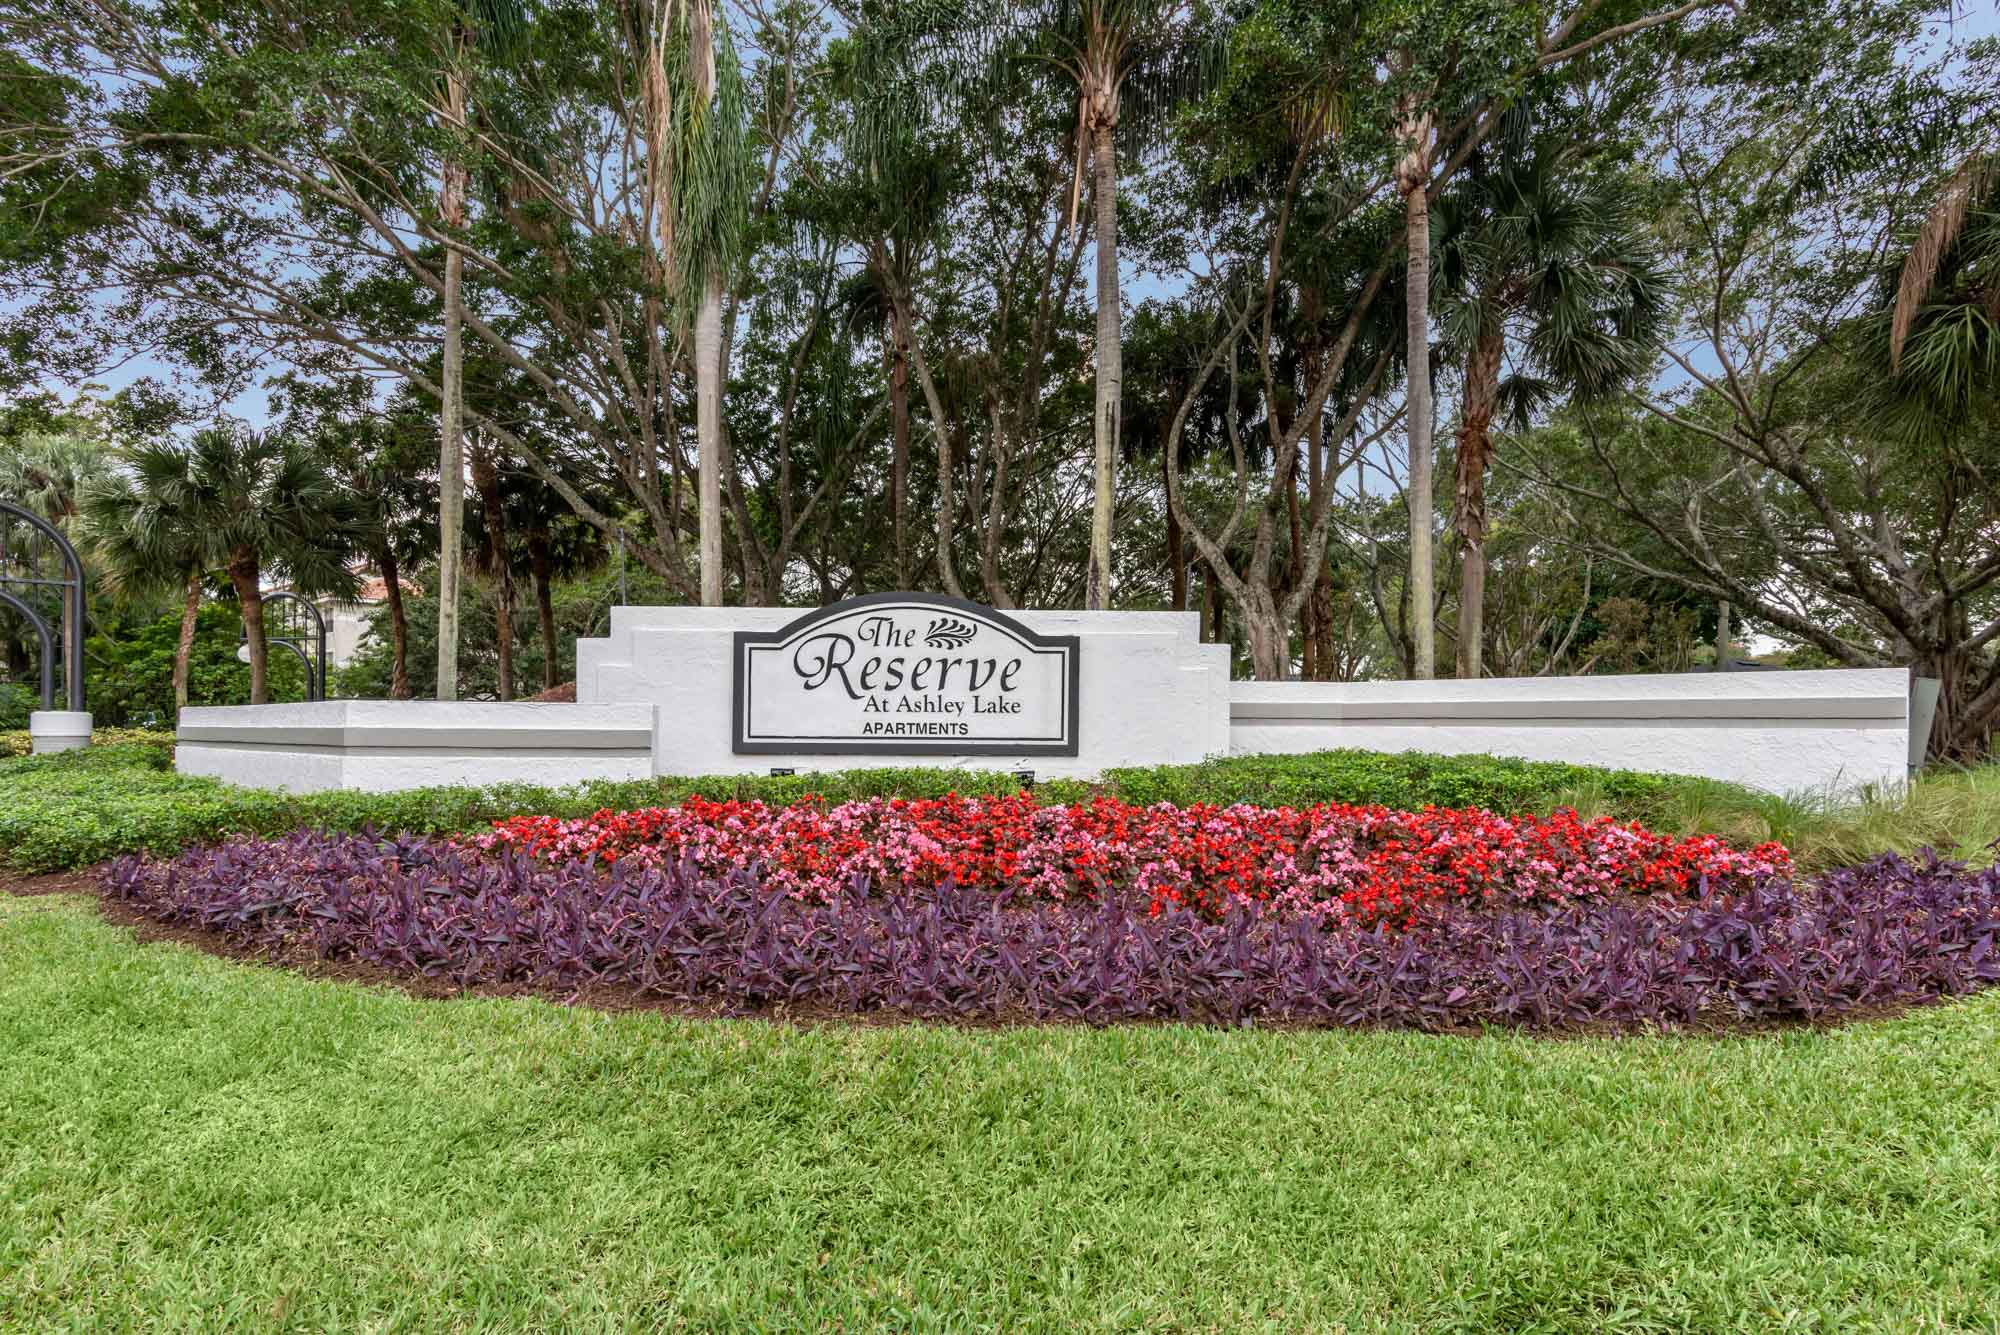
(1782, 732)
(346, 629)
(654, 698)
(386, 745)
(1150, 692)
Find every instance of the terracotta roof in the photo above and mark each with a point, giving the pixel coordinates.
(371, 589)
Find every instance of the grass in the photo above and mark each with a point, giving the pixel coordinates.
(1954, 811)
(191, 1143)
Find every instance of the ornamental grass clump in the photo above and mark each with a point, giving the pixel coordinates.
(1368, 863)
(1890, 932)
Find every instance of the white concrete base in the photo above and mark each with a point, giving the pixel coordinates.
(58, 730)
(1150, 692)
(386, 745)
(1781, 732)
(655, 698)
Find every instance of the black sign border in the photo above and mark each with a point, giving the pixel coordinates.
(739, 686)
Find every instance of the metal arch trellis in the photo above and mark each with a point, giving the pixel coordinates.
(25, 571)
(301, 627)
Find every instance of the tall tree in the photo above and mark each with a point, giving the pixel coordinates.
(1416, 141)
(267, 504)
(1129, 61)
(1795, 472)
(1535, 240)
(497, 556)
(698, 163)
(480, 27)
(152, 534)
(1415, 89)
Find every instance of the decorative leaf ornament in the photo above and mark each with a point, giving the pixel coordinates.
(948, 633)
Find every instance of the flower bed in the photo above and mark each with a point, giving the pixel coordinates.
(1365, 863)
(1889, 932)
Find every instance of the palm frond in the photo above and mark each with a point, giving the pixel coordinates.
(1970, 184)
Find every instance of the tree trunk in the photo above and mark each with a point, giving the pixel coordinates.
(1326, 665)
(899, 450)
(1270, 638)
(244, 575)
(1413, 178)
(190, 610)
(544, 572)
(947, 504)
(486, 477)
(1217, 600)
(399, 623)
(708, 434)
(1295, 561)
(1468, 511)
(451, 445)
(1722, 636)
(1175, 565)
(1319, 621)
(1110, 374)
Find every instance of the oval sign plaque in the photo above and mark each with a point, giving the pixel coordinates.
(907, 673)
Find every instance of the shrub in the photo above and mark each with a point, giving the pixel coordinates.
(82, 807)
(18, 741)
(1892, 931)
(1365, 862)
(1407, 781)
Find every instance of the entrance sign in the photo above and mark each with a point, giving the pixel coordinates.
(904, 673)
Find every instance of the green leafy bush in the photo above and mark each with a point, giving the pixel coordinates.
(132, 674)
(18, 742)
(1407, 781)
(78, 808)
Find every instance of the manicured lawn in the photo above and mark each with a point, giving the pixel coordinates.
(188, 1143)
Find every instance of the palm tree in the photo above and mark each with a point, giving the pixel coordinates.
(50, 473)
(380, 459)
(264, 503)
(904, 187)
(1944, 307)
(1416, 134)
(697, 163)
(1938, 334)
(497, 559)
(904, 155)
(482, 26)
(1131, 62)
(151, 535)
(1535, 243)
(559, 546)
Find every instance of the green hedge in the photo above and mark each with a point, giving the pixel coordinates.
(1408, 781)
(75, 809)
(17, 742)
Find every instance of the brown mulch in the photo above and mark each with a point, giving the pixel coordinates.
(81, 881)
(564, 694)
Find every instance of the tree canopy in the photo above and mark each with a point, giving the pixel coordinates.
(1066, 304)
